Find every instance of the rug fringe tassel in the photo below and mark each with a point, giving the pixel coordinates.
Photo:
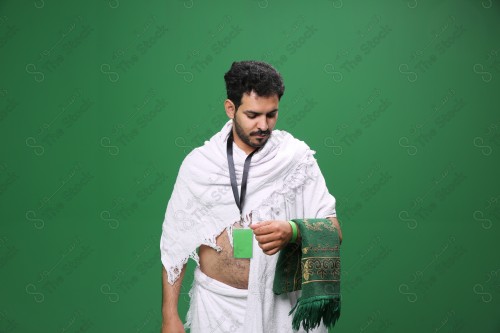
(310, 312)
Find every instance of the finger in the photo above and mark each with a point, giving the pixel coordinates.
(263, 239)
(264, 230)
(271, 252)
(255, 226)
(271, 246)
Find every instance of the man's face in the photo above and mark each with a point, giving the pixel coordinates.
(254, 120)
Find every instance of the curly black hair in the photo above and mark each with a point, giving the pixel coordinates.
(246, 76)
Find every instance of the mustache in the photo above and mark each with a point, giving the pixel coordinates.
(259, 132)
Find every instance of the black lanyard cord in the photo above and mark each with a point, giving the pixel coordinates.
(232, 173)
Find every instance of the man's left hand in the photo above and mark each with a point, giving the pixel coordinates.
(272, 235)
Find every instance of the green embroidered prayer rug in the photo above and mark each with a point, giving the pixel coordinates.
(313, 267)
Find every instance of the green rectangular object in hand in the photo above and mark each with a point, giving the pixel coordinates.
(242, 243)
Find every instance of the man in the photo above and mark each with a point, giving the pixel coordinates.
(246, 180)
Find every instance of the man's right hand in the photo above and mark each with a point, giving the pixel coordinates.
(172, 326)
(272, 235)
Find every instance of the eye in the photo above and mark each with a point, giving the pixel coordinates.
(251, 116)
(271, 115)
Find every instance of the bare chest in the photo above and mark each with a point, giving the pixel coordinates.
(222, 266)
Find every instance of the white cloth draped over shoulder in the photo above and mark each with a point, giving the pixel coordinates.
(284, 182)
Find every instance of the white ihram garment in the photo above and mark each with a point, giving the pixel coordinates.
(284, 182)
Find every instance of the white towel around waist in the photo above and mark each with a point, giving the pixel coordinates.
(215, 306)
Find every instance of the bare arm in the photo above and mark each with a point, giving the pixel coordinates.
(170, 300)
(337, 226)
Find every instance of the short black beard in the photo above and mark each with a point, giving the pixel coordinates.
(246, 138)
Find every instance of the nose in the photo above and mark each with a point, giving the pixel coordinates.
(262, 124)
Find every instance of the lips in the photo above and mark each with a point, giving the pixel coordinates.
(260, 134)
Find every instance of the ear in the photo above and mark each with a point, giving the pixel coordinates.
(230, 108)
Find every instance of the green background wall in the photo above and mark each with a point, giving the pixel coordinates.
(101, 100)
